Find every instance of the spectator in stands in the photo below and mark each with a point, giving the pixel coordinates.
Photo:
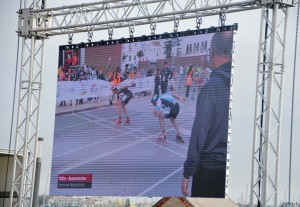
(60, 73)
(81, 74)
(75, 59)
(149, 72)
(100, 74)
(131, 74)
(61, 77)
(74, 75)
(138, 73)
(68, 62)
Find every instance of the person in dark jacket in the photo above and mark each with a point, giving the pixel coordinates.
(156, 87)
(206, 156)
(165, 75)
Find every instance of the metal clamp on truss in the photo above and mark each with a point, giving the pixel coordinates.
(198, 21)
(176, 25)
(29, 21)
(153, 28)
(90, 35)
(110, 33)
(131, 31)
(25, 22)
(70, 38)
(222, 16)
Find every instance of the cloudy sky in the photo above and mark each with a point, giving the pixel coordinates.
(244, 89)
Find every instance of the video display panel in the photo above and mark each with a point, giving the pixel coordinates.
(141, 116)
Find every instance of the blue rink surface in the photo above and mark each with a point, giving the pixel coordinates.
(123, 159)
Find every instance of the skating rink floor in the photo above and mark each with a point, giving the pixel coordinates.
(124, 159)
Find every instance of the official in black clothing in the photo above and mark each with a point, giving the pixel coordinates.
(165, 75)
(206, 156)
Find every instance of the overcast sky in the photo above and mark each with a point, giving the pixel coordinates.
(244, 88)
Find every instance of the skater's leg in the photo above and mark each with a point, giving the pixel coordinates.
(175, 125)
(126, 113)
(124, 109)
(161, 122)
(178, 133)
(162, 138)
(119, 107)
(119, 119)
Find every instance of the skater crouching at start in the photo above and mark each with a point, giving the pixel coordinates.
(168, 108)
(123, 97)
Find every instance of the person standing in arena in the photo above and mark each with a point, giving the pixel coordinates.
(189, 81)
(165, 75)
(207, 151)
(123, 97)
(156, 86)
(115, 78)
(167, 107)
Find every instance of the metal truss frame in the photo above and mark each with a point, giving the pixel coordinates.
(268, 109)
(37, 23)
(116, 14)
(28, 117)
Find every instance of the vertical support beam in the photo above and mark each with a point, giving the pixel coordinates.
(268, 108)
(28, 119)
(26, 136)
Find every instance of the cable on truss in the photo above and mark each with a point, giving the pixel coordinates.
(292, 107)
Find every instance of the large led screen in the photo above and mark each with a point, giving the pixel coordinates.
(145, 116)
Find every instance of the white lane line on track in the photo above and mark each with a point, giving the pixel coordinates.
(96, 158)
(72, 126)
(83, 147)
(127, 125)
(184, 131)
(72, 112)
(160, 182)
(116, 150)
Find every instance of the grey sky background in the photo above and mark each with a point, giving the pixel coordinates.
(244, 88)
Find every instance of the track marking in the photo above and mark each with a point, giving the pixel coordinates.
(160, 182)
(72, 125)
(134, 129)
(116, 150)
(98, 157)
(184, 131)
(83, 147)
